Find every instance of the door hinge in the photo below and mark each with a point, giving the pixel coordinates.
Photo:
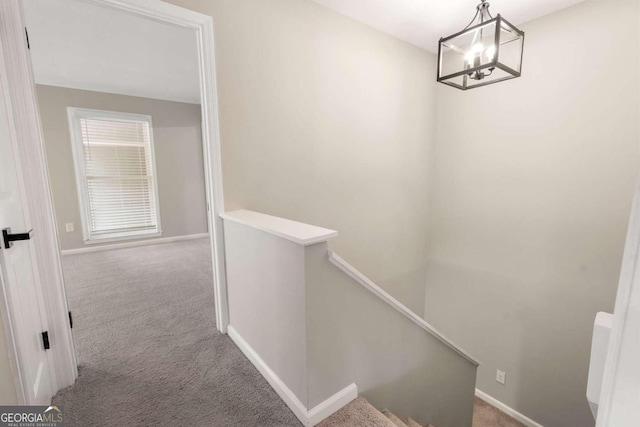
(45, 340)
(26, 33)
(70, 320)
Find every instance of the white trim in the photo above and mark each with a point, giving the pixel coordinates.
(20, 383)
(158, 10)
(507, 409)
(276, 383)
(213, 166)
(624, 314)
(74, 115)
(133, 244)
(203, 24)
(297, 232)
(119, 237)
(307, 418)
(39, 205)
(352, 272)
(333, 404)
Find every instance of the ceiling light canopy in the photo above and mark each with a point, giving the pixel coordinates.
(488, 50)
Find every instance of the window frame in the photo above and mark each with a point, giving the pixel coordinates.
(74, 115)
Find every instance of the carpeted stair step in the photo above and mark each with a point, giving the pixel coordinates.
(359, 413)
(393, 418)
(410, 422)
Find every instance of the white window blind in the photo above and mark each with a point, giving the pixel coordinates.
(117, 176)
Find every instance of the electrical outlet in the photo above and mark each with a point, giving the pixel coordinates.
(501, 377)
(69, 227)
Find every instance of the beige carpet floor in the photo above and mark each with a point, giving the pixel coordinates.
(360, 413)
(485, 415)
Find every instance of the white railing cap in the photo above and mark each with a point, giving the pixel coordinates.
(352, 272)
(298, 232)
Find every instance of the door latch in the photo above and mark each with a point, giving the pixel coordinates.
(10, 238)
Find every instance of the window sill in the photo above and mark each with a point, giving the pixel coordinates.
(123, 237)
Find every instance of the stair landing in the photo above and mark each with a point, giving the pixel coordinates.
(360, 413)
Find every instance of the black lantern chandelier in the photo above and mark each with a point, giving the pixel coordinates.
(488, 50)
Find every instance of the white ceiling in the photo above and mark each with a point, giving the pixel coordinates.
(423, 22)
(80, 45)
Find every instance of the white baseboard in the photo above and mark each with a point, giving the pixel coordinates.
(132, 244)
(276, 383)
(308, 418)
(332, 405)
(507, 409)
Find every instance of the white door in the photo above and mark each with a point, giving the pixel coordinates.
(619, 404)
(18, 272)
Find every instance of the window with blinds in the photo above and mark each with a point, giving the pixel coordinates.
(115, 173)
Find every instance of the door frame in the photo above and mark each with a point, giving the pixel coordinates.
(20, 99)
(22, 104)
(203, 24)
(624, 316)
(624, 322)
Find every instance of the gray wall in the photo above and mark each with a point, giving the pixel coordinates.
(353, 336)
(330, 122)
(178, 151)
(266, 291)
(327, 121)
(533, 186)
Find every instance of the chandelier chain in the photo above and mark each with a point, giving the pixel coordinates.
(482, 12)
